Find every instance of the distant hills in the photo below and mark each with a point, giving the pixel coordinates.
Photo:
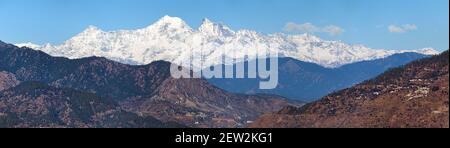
(308, 81)
(415, 95)
(39, 90)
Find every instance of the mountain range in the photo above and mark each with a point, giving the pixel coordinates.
(308, 81)
(122, 79)
(173, 40)
(38, 90)
(34, 104)
(414, 95)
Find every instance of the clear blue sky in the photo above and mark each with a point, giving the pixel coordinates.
(364, 21)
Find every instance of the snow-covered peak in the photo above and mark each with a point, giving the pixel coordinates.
(427, 51)
(170, 23)
(206, 21)
(170, 20)
(29, 45)
(91, 30)
(171, 39)
(214, 29)
(306, 38)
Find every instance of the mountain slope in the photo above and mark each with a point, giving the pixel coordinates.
(174, 99)
(415, 95)
(197, 103)
(97, 75)
(171, 39)
(7, 80)
(308, 81)
(33, 104)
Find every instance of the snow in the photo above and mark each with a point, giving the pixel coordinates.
(171, 39)
(29, 45)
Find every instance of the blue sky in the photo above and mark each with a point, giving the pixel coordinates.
(389, 24)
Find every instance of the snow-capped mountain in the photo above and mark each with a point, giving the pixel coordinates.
(171, 39)
(29, 45)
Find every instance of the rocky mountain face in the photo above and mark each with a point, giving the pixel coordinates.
(197, 103)
(143, 92)
(7, 80)
(415, 95)
(34, 104)
(309, 82)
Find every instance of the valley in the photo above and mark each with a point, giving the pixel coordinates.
(412, 96)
